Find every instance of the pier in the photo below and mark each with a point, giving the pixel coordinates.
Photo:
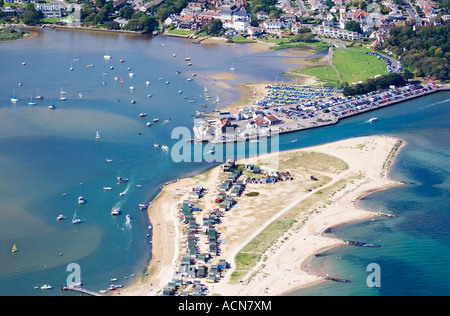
(79, 290)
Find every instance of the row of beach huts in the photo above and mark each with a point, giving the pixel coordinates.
(201, 264)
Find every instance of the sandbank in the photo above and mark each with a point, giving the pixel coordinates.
(347, 170)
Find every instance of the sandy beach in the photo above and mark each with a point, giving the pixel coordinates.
(348, 170)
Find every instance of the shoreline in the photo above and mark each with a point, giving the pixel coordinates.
(168, 239)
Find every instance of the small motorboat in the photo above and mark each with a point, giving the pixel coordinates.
(115, 211)
(165, 147)
(61, 217)
(46, 287)
(119, 179)
(149, 124)
(81, 200)
(51, 107)
(143, 206)
(156, 145)
(142, 115)
(155, 120)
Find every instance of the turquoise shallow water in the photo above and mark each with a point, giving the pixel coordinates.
(45, 154)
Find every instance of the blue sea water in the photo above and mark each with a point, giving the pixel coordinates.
(50, 158)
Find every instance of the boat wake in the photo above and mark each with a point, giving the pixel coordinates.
(371, 120)
(433, 104)
(128, 223)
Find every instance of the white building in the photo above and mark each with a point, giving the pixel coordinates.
(337, 33)
(273, 25)
(49, 10)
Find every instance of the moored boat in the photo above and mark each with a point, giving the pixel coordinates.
(75, 220)
(120, 179)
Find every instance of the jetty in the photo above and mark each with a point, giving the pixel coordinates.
(79, 290)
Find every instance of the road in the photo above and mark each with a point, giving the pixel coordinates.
(301, 6)
(411, 10)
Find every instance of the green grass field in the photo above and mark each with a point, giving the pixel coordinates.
(325, 74)
(357, 66)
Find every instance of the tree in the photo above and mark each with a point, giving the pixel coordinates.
(213, 27)
(101, 17)
(31, 16)
(126, 12)
(353, 26)
(111, 25)
(99, 3)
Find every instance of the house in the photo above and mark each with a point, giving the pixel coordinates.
(226, 125)
(289, 19)
(273, 25)
(262, 15)
(272, 120)
(49, 10)
(189, 271)
(117, 5)
(360, 16)
(9, 12)
(202, 272)
(254, 31)
(230, 164)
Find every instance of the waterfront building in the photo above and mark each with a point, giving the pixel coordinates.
(49, 10)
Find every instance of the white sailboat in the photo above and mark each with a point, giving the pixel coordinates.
(97, 135)
(75, 220)
(107, 57)
(217, 100)
(32, 103)
(232, 68)
(38, 96)
(61, 95)
(14, 99)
